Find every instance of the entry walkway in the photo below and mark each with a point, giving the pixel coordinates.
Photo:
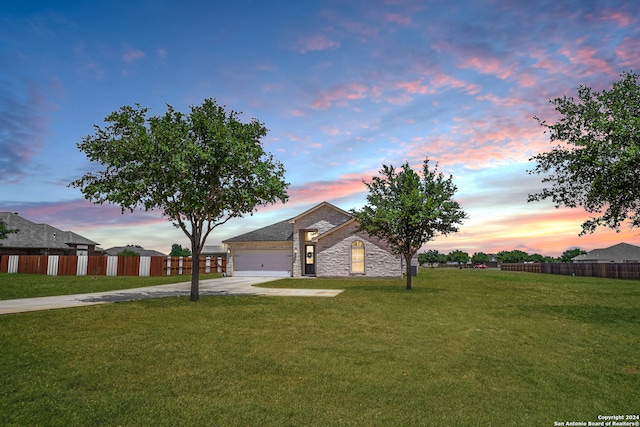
(222, 286)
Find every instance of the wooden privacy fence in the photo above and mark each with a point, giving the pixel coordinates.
(62, 265)
(609, 270)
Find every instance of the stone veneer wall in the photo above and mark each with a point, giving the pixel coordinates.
(333, 254)
(322, 219)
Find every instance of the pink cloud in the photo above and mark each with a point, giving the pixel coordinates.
(333, 131)
(297, 113)
(339, 95)
(587, 56)
(628, 50)
(501, 101)
(162, 53)
(311, 192)
(487, 65)
(444, 80)
(619, 18)
(132, 55)
(526, 79)
(358, 28)
(396, 18)
(315, 43)
(415, 86)
(554, 66)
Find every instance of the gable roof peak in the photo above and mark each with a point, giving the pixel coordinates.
(316, 207)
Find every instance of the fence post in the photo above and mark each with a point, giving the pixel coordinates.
(112, 266)
(52, 265)
(145, 266)
(13, 264)
(83, 262)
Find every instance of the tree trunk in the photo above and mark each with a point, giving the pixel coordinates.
(407, 260)
(195, 273)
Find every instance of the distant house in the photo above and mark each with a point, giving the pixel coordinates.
(41, 239)
(620, 253)
(320, 242)
(141, 251)
(215, 251)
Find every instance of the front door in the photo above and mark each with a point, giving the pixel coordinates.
(309, 260)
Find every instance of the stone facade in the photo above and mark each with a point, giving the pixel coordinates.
(333, 246)
(321, 219)
(333, 254)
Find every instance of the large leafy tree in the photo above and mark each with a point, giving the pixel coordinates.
(407, 210)
(200, 169)
(597, 161)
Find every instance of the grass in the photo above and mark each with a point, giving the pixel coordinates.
(14, 286)
(486, 348)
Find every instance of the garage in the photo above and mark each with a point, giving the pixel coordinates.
(273, 263)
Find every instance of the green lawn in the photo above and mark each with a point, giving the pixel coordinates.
(14, 286)
(468, 348)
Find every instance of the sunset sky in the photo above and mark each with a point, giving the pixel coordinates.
(342, 86)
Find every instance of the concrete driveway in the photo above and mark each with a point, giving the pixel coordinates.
(222, 286)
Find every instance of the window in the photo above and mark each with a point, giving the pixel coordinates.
(309, 235)
(357, 257)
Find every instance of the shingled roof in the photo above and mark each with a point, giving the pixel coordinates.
(279, 232)
(622, 252)
(32, 235)
(140, 251)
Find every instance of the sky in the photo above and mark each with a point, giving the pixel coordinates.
(343, 87)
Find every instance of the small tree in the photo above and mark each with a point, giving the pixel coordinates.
(597, 162)
(430, 257)
(406, 210)
(480, 258)
(178, 250)
(5, 230)
(458, 256)
(128, 252)
(512, 257)
(200, 169)
(570, 254)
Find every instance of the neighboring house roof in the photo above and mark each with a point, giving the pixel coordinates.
(141, 251)
(32, 235)
(622, 252)
(279, 232)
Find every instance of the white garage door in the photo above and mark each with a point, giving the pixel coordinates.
(262, 263)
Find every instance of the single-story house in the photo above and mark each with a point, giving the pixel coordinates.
(41, 239)
(138, 249)
(320, 242)
(620, 253)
